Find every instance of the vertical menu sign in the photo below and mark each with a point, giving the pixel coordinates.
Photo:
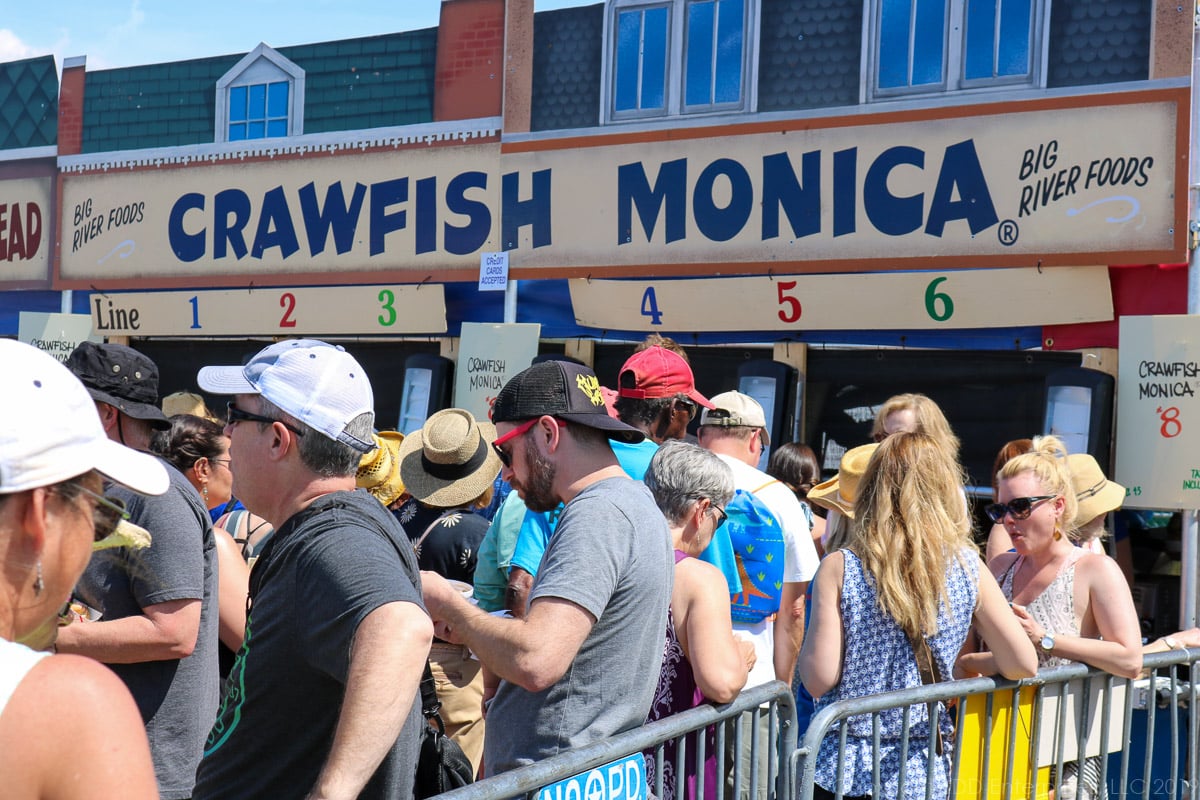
(1158, 412)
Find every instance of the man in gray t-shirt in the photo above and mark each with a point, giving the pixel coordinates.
(583, 663)
(158, 631)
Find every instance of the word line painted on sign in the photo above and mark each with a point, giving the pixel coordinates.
(401, 309)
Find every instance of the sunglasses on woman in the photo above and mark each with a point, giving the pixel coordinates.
(106, 515)
(1018, 507)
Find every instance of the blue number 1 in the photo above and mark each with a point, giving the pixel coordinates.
(650, 306)
(195, 311)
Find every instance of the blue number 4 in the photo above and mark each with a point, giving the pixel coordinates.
(650, 306)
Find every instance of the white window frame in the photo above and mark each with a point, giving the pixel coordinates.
(953, 68)
(673, 105)
(262, 65)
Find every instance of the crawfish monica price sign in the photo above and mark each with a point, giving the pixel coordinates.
(620, 780)
(1158, 412)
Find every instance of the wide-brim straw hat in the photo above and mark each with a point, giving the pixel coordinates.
(379, 470)
(839, 492)
(449, 462)
(1095, 493)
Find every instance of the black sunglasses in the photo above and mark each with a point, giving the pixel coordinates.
(107, 514)
(688, 405)
(722, 515)
(1018, 507)
(236, 415)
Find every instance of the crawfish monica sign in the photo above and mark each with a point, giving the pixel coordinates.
(1012, 184)
(1158, 412)
(620, 780)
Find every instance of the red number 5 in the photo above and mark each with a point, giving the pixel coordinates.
(792, 312)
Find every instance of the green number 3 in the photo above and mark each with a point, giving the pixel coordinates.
(386, 299)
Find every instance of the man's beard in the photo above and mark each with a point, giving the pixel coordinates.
(538, 490)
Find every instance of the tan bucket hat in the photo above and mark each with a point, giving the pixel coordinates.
(1096, 494)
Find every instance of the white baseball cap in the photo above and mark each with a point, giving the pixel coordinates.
(50, 430)
(318, 383)
(736, 410)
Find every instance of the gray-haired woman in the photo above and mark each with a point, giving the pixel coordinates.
(702, 661)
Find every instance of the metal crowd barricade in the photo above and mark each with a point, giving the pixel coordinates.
(1142, 737)
(590, 761)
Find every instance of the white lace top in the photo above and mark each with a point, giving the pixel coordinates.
(1054, 608)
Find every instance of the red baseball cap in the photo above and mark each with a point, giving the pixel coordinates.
(658, 372)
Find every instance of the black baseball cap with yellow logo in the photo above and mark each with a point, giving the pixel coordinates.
(570, 392)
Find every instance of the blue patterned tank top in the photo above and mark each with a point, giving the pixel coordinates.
(878, 658)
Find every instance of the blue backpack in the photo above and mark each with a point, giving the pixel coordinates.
(758, 548)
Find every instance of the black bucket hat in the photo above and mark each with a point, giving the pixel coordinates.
(120, 376)
(560, 389)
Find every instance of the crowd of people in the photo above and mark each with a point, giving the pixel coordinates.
(571, 568)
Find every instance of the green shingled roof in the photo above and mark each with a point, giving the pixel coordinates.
(354, 84)
(28, 103)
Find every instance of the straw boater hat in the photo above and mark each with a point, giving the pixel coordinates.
(379, 470)
(450, 461)
(839, 492)
(1096, 494)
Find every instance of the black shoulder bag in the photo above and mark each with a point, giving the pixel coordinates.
(442, 765)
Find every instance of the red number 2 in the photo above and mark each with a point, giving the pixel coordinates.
(287, 301)
(792, 312)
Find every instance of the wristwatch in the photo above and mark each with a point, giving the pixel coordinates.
(1047, 642)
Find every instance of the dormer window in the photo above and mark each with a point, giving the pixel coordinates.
(678, 57)
(262, 97)
(932, 46)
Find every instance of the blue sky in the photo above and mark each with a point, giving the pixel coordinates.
(121, 33)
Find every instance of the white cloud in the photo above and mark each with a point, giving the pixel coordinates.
(132, 23)
(13, 49)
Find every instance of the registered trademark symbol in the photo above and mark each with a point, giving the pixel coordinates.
(1008, 232)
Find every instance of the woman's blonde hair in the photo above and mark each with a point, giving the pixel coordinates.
(929, 417)
(1048, 463)
(910, 524)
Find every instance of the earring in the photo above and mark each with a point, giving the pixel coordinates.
(38, 583)
(204, 491)
(1058, 534)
